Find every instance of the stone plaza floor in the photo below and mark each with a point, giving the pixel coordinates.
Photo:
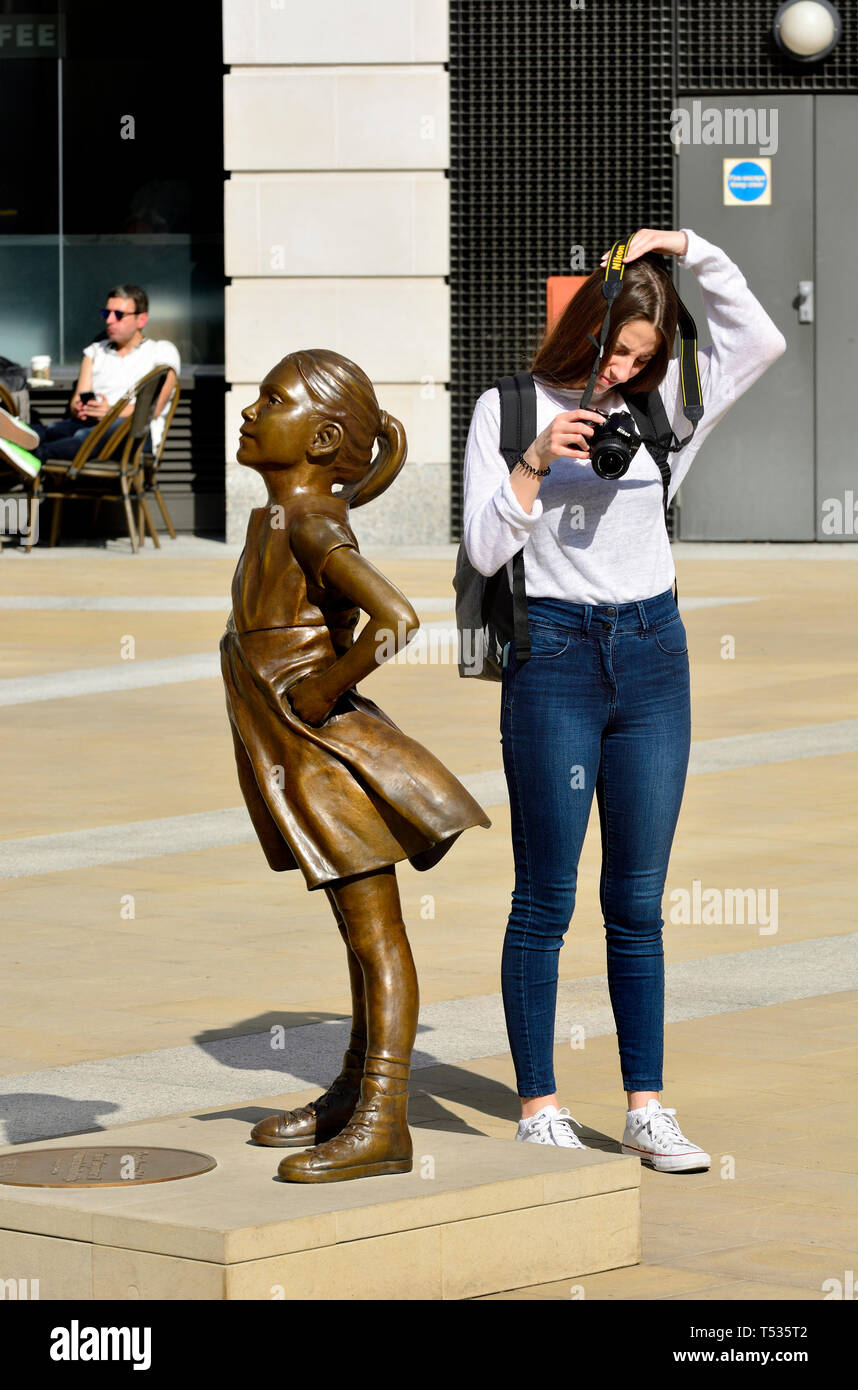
(150, 957)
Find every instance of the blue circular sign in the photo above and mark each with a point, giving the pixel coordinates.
(748, 181)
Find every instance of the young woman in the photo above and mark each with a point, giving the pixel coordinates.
(333, 787)
(603, 702)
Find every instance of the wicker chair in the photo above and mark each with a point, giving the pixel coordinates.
(101, 469)
(147, 480)
(12, 481)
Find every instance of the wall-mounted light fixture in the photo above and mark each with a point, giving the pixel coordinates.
(807, 30)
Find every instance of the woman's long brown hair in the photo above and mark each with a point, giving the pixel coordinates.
(565, 355)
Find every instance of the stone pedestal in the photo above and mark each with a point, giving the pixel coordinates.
(475, 1216)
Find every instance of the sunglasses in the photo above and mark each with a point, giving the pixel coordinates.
(118, 314)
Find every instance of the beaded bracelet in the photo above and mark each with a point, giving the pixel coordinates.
(521, 461)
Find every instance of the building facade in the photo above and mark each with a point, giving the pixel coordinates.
(337, 225)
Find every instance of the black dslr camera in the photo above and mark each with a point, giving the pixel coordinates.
(614, 444)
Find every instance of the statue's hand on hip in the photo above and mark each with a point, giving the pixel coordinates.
(310, 700)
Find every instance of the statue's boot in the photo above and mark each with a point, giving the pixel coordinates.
(322, 1118)
(375, 1141)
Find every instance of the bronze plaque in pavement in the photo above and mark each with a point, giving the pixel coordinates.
(104, 1165)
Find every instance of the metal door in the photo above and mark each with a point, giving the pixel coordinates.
(836, 325)
(753, 479)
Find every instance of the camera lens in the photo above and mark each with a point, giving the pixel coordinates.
(610, 463)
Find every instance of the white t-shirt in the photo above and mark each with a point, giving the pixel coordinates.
(113, 375)
(621, 552)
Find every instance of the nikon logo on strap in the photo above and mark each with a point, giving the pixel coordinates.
(613, 279)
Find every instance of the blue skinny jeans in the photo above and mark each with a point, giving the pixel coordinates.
(603, 704)
(63, 439)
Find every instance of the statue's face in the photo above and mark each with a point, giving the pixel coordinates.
(280, 425)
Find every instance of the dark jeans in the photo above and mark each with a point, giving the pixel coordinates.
(603, 704)
(63, 439)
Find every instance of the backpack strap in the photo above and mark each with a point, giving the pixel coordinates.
(517, 433)
(648, 412)
(510, 415)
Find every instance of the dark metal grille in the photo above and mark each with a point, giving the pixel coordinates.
(728, 47)
(560, 138)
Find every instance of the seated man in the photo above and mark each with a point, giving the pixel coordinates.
(110, 367)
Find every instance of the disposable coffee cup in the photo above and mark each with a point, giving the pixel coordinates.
(40, 368)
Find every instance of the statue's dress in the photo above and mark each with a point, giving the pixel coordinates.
(356, 793)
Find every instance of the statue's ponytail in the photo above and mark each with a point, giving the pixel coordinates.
(392, 450)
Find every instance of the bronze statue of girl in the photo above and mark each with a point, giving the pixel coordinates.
(333, 787)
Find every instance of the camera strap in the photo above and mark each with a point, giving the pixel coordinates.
(518, 430)
(648, 412)
(612, 284)
(689, 374)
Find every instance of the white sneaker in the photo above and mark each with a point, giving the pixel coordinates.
(12, 427)
(21, 459)
(656, 1139)
(550, 1126)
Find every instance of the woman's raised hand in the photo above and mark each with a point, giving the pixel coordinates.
(651, 239)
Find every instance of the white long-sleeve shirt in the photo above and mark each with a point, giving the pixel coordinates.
(587, 539)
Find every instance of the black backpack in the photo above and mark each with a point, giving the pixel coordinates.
(490, 613)
(12, 375)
